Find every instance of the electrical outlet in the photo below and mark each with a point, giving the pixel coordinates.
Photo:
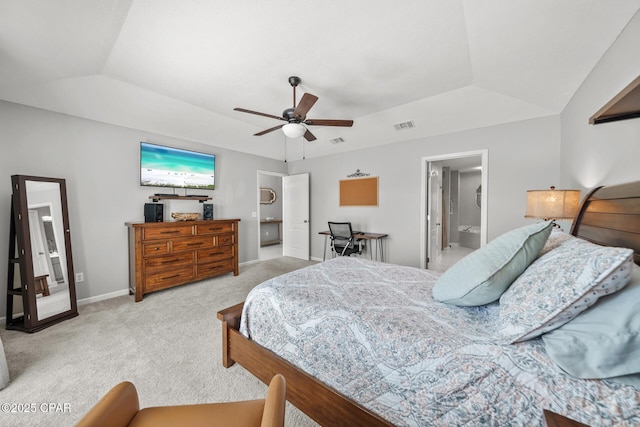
(79, 277)
(267, 233)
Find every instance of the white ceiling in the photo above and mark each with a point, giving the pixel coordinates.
(179, 68)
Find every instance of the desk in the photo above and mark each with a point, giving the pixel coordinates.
(377, 237)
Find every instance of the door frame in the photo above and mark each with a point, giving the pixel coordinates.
(258, 216)
(424, 226)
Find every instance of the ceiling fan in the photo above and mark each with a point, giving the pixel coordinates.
(297, 116)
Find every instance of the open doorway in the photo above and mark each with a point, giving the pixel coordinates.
(269, 215)
(454, 207)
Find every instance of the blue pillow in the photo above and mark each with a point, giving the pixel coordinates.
(482, 276)
(604, 340)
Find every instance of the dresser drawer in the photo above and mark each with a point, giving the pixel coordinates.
(164, 232)
(213, 268)
(225, 239)
(192, 243)
(154, 282)
(214, 228)
(214, 254)
(156, 248)
(169, 262)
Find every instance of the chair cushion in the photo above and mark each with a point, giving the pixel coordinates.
(483, 275)
(240, 414)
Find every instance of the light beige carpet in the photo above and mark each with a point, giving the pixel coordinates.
(168, 345)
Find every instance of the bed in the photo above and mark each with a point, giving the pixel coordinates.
(381, 351)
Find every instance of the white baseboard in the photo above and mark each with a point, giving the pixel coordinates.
(103, 297)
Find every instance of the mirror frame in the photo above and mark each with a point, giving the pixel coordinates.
(267, 196)
(29, 321)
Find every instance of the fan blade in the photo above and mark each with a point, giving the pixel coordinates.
(267, 130)
(309, 136)
(243, 110)
(305, 105)
(328, 122)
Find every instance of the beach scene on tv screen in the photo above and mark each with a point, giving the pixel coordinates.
(171, 167)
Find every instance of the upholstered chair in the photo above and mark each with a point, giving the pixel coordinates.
(120, 407)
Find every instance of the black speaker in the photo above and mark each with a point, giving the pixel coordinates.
(153, 212)
(207, 211)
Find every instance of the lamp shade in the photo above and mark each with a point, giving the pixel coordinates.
(294, 130)
(552, 204)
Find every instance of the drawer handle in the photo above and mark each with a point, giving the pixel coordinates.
(157, 248)
(170, 261)
(171, 277)
(170, 232)
(195, 244)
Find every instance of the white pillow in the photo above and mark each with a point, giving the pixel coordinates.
(559, 285)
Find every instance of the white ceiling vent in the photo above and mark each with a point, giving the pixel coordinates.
(337, 140)
(404, 125)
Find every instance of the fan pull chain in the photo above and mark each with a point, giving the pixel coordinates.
(285, 148)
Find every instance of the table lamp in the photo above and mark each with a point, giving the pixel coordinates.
(552, 204)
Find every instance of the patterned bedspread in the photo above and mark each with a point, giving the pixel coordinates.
(373, 332)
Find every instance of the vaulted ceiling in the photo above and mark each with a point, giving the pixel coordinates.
(178, 68)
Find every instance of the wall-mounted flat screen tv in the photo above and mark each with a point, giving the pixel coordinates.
(162, 166)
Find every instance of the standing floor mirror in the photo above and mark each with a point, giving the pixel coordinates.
(43, 292)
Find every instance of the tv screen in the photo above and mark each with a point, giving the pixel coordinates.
(162, 166)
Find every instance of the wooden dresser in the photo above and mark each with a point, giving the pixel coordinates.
(167, 254)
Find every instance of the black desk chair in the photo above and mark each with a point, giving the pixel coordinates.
(343, 240)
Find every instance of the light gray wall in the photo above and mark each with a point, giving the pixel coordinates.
(607, 153)
(469, 211)
(522, 156)
(100, 163)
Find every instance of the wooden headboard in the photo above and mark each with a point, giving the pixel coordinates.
(610, 216)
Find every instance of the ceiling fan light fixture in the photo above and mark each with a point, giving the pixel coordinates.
(294, 130)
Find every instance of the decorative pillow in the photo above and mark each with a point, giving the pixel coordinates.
(604, 340)
(560, 285)
(556, 238)
(483, 275)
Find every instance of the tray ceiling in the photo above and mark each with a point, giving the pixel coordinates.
(179, 68)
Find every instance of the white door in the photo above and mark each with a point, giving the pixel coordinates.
(295, 216)
(434, 250)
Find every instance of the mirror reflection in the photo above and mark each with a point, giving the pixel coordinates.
(47, 234)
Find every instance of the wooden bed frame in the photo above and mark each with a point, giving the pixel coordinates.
(608, 216)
